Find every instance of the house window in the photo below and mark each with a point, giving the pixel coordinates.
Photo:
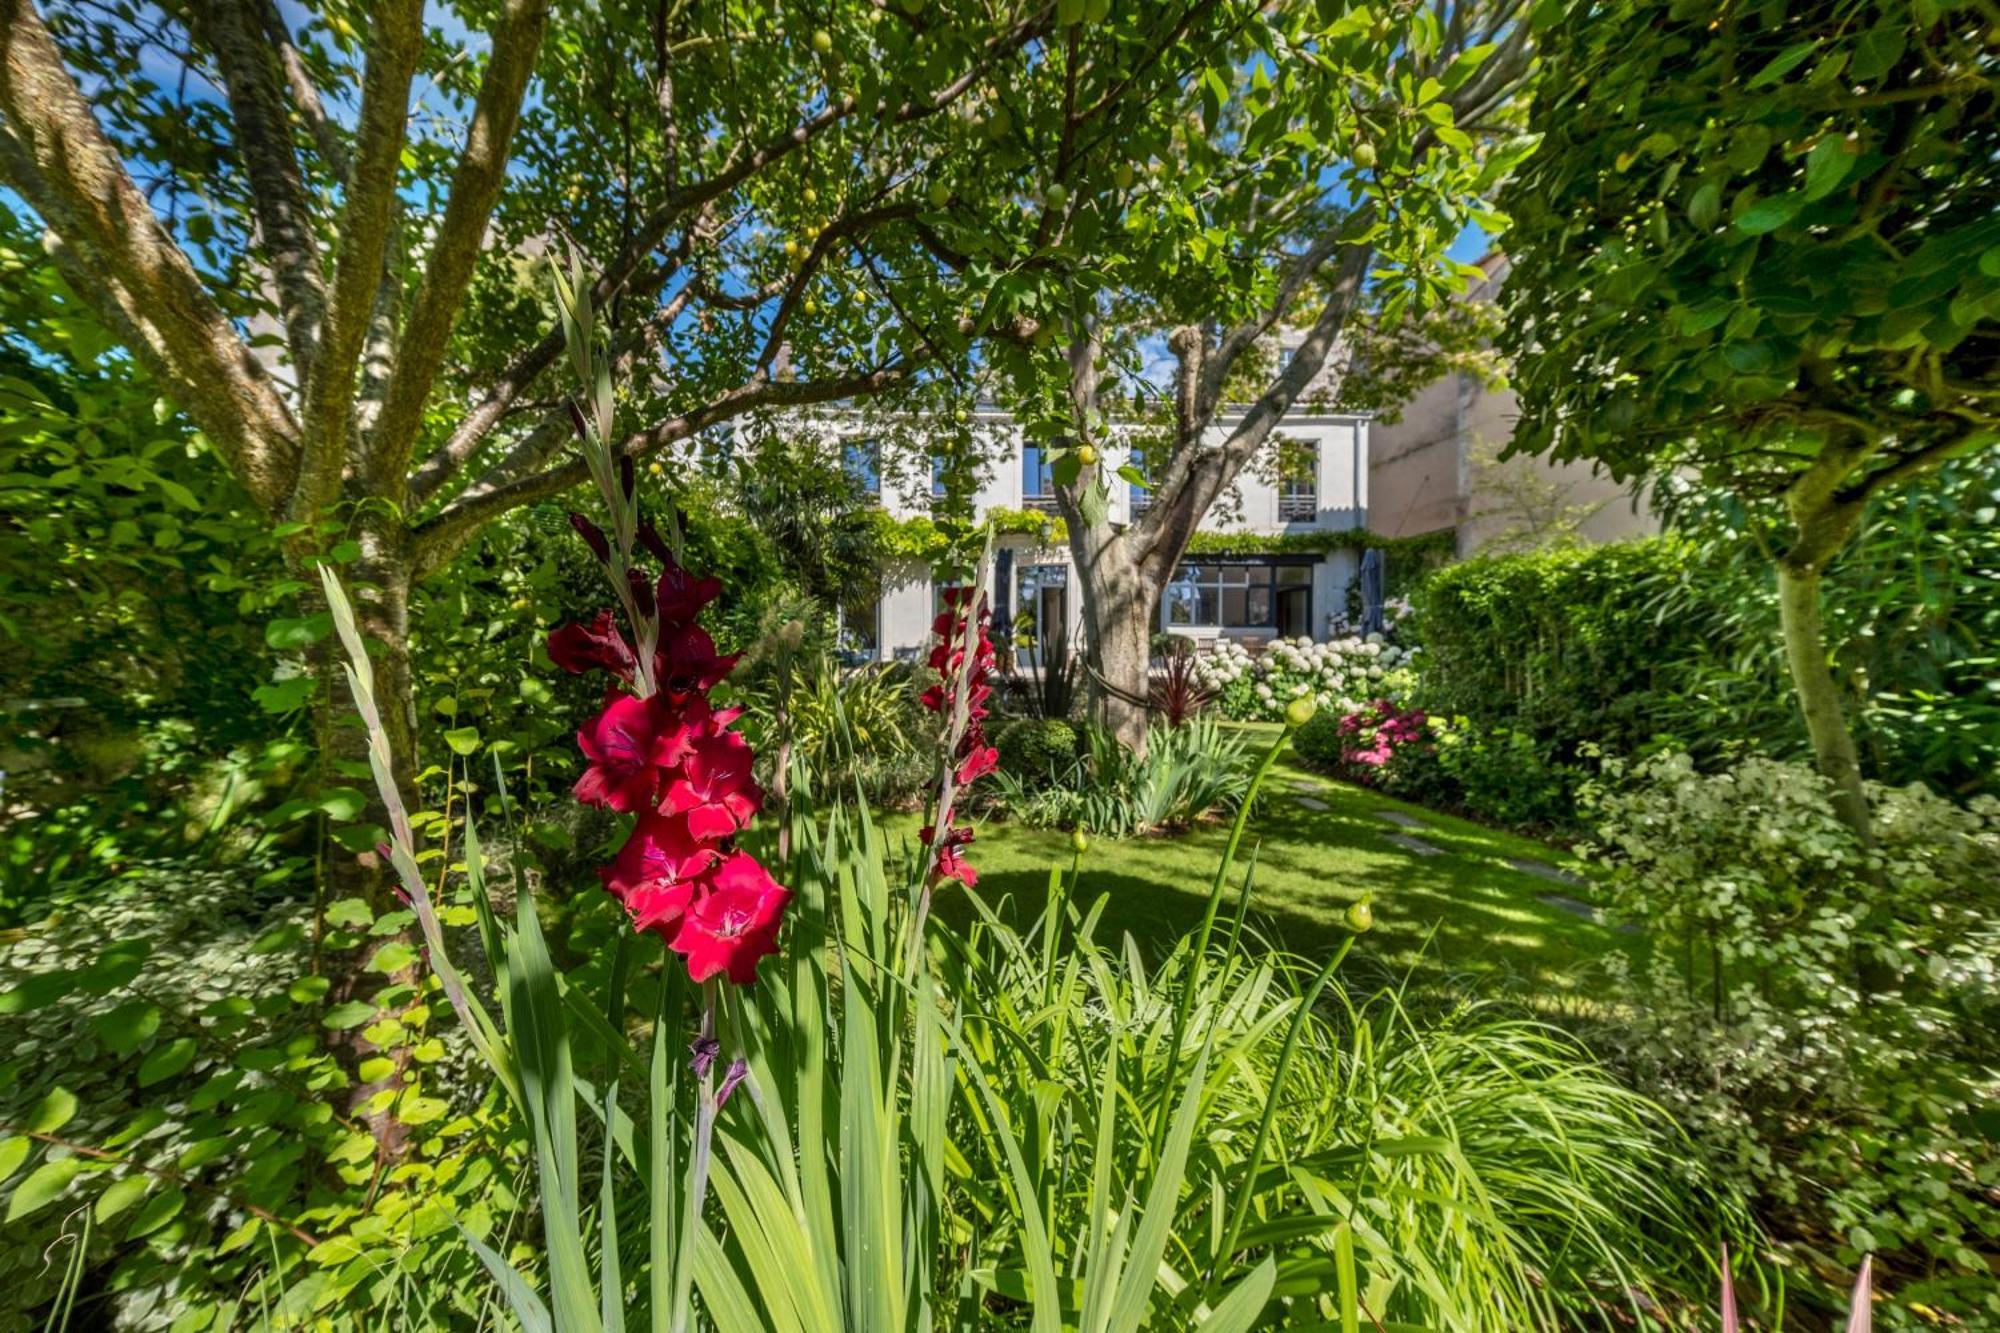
(861, 460)
(1234, 595)
(1142, 496)
(1038, 485)
(1298, 481)
(939, 466)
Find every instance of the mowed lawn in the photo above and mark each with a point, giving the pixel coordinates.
(1464, 915)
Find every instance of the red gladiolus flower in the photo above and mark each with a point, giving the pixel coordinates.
(687, 662)
(978, 758)
(714, 790)
(628, 744)
(734, 923)
(661, 853)
(671, 758)
(597, 646)
(951, 863)
(680, 596)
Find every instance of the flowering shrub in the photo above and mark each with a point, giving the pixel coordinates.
(664, 753)
(1373, 736)
(1339, 675)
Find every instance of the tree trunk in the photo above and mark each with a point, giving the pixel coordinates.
(1818, 695)
(378, 584)
(1118, 624)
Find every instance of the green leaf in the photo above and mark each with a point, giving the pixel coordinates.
(1705, 207)
(351, 1014)
(349, 912)
(1877, 52)
(14, 1150)
(1827, 166)
(120, 1195)
(1702, 317)
(1767, 215)
(1784, 63)
(166, 1061)
(302, 632)
(55, 1110)
(392, 957)
(128, 1027)
(43, 1186)
(285, 696)
(159, 1210)
(342, 803)
(462, 740)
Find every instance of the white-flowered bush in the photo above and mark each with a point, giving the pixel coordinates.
(1342, 674)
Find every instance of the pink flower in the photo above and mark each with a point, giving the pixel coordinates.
(734, 923)
(628, 744)
(597, 646)
(714, 788)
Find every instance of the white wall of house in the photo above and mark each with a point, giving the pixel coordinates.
(1336, 500)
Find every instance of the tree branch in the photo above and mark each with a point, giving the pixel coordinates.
(130, 270)
(277, 189)
(1915, 464)
(1234, 343)
(395, 43)
(1196, 476)
(475, 186)
(440, 537)
(438, 469)
(305, 95)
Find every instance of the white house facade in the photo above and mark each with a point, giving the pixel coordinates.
(1254, 594)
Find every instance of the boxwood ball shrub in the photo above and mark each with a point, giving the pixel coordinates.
(1035, 749)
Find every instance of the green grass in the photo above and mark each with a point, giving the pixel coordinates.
(1441, 920)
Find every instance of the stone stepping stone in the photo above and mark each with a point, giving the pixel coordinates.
(1304, 784)
(1543, 870)
(1400, 819)
(1414, 844)
(1574, 906)
(1312, 803)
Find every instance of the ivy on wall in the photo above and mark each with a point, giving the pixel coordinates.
(921, 538)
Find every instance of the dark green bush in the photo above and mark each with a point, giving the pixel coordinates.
(1318, 742)
(1036, 749)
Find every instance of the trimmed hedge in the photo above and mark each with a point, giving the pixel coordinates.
(1567, 645)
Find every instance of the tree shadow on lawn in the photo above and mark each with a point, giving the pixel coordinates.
(1447, 922)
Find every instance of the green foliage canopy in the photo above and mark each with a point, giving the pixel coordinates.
(1759, 239)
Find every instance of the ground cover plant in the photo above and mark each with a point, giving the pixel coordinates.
(1820, 1014)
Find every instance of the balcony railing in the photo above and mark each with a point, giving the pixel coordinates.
(1297, 508)
(1041, 504)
